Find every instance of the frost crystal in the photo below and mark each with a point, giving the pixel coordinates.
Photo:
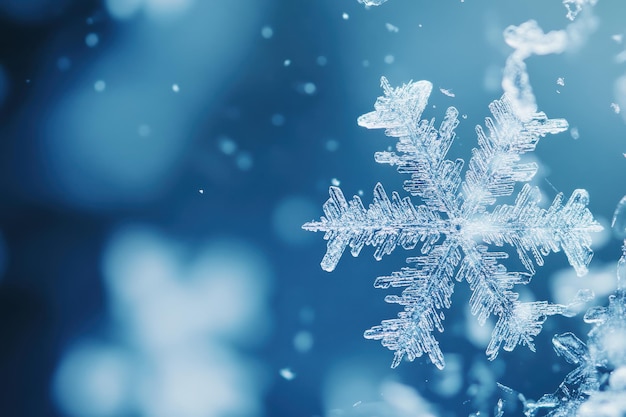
(597, 387)
(453, 225)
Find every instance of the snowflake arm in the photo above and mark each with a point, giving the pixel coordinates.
(386, 224)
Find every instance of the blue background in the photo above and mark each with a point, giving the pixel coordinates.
(246, 149)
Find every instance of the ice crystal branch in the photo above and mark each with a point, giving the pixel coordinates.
(453, 226)
(597, 386)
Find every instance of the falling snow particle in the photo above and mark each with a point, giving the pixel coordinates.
(618, 38)
(389, 59)
(175, 88)
(309, 88)
(267, 32)
(99, 86)
(201, 191)
(560, 81)
(574, 132)
(335, 182)
(615, 108)
(287, 62)
(332, 145)
(391, 28)
(345, 16)
(227, 145)
(244, 161)
(446, 92)
(91, 40)
(287, 373)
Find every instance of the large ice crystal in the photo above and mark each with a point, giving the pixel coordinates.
(597, 387)
(453, 225)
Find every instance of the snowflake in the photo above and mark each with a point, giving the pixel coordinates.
(597, 387)
(453, 224)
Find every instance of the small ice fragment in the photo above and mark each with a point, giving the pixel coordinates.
(464, 116)
(618, 224)
(560, 81)
(392, 28)
(201, 191)
(332, 145)
(287, 62)
(309, 88)
(267, 32)
(389, 59)
(99, 86)
(360, 193)
(91, 40)
(303, 341)
(345, 16)
(335, 182)
(372, 2)
(175, 88)
(287, 373)
(615, 108)
(574, 132)
(356, 404)
(419, 26)
(446, 92)
(244, 161)
(227, 145)
(618, 37)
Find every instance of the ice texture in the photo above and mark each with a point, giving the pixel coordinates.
(597, 386)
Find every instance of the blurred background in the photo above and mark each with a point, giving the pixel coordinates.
(158, 157)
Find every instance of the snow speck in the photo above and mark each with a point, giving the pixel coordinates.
(574, 132)
(99, 86)
(618, 37)
(287, 62)
(335, 182)
(615, 108)
(303, 341)
(244, 161)
(391, 28)
(227, 145)
(309, 88)
(560, 81)
(389, 59)
(332, 145)
(175, 88)
(287, 373)
(91, 40)
(267, 32)
(446, 92)
(345, 16)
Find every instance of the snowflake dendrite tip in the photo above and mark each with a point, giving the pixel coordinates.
(453, 226)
